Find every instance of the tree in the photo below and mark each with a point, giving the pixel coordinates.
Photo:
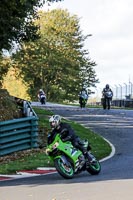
(57, 62)
(15, 86)
(17, 25)
(5, 63)
(16, 21)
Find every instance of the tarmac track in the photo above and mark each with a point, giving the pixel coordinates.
(115, 182)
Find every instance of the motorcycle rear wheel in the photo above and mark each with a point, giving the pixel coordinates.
(63, 169)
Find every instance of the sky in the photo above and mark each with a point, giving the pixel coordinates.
(111, 44)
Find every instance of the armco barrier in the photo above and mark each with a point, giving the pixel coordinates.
(19, 134)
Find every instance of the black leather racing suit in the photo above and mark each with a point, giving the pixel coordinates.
(67, 134)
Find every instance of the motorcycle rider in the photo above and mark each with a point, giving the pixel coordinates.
(83, 95)
(107, 99)
(67, 134)
(41, 93)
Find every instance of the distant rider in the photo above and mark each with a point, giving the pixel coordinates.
(41, 93)
(67, 134)
(83, 95)
(107, 96)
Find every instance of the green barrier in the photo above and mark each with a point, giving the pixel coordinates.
(19, 134)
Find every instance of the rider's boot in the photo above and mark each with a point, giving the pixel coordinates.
(89, 157)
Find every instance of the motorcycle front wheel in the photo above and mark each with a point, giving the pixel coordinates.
(43, 101)
(104, 103)
(64, 169)
(94, 168)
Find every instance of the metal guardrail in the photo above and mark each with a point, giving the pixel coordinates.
(27, 109)
(19, 134)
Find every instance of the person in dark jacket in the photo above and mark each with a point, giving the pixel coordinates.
(107, 94)
(67, 134)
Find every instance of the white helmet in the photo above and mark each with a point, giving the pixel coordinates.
(55, 121)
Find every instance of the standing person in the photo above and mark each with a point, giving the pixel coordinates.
(69, 135)
(107, 96)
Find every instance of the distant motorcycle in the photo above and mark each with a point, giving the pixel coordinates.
(68, 160)
(43, 99)
(83, 100)
(106, 100)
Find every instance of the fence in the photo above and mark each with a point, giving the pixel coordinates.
(19, 134)
(122, 95)
(124, 91)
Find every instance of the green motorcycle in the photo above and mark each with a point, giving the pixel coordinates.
(68, 160)
(82, 102)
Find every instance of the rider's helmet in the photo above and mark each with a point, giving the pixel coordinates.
(107, 86)
(54, 121)
(84, 88)
(40, 90)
